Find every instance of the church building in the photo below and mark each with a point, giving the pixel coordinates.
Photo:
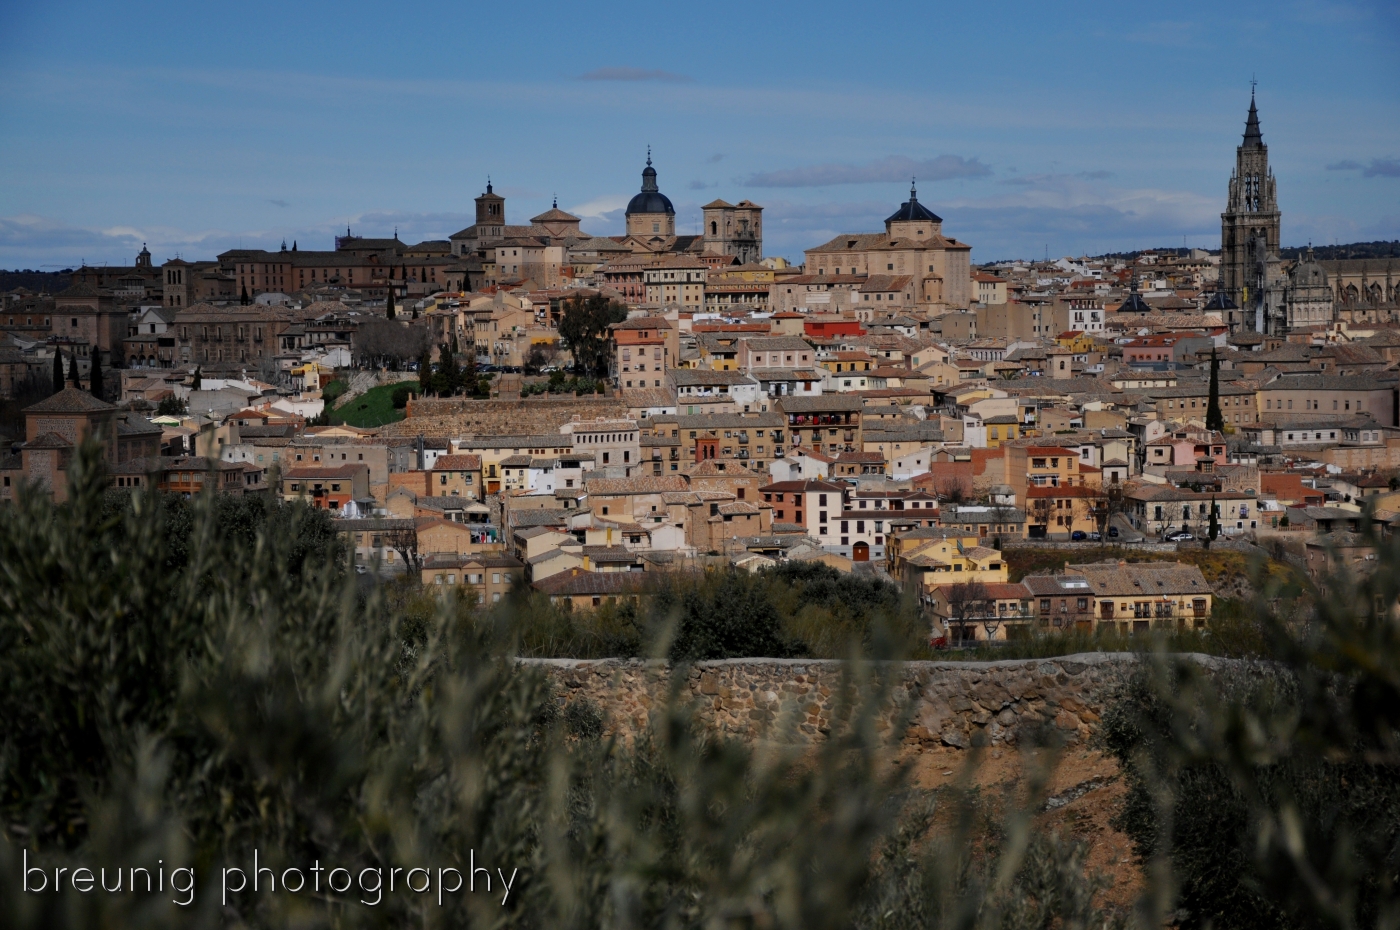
(1250, 271)
(912, 245)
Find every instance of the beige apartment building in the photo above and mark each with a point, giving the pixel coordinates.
(1237, 403)
(1332, 394)
(612, 443)
(751, 441)
(676, 279)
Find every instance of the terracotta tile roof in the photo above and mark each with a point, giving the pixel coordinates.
(48, 441)
(578, 582)
(70, 400)
(328, 472)
(457, 463)
(639, 485)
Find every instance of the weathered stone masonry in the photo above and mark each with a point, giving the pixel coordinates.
(957, 703)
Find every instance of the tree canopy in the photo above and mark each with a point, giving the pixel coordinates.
(584, 331)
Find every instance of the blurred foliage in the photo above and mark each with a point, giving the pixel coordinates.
(1232, 630)
(185, 687)
(188, 681)
(794, 609)
(1270, 790)
(1224, 569)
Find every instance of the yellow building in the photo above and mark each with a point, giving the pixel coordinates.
(941, 555)
(841, 362)
(1002, 429)
(1077, 342)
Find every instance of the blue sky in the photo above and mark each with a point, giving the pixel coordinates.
(1070, 128)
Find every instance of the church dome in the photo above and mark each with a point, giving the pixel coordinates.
(911, 211)
(650, 200)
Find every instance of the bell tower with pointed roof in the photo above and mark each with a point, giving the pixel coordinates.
(1250, 273)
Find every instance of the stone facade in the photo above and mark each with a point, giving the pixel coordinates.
(959, 704)
(1250, 271)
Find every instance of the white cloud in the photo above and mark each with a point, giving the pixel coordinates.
(600, 206)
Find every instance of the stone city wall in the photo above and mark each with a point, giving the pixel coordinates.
(531, 416)
(956, 703)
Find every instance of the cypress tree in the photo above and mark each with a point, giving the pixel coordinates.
(389, 305)
(451, 377)
(1214, 529)
(57, 370)
(73, 369)
(1214, 419)
(425, 372)
(244, 299)
(198, 379)
(95, 376)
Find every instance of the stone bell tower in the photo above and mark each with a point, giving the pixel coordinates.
(1249, 235)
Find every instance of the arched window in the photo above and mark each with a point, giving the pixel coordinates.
(714, 228)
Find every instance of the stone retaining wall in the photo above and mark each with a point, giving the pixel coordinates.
(534, 415)
(956, 703)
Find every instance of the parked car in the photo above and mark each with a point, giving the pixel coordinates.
(1181, 536)
(1078, 536)
(939, 643)
(1113, 532)
(1095, 537)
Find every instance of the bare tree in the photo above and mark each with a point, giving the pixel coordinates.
(1038, 513)
(1003, 517)
(390, 343)
(540, 355)
(968, 603)
(404, 540)
(953, 489)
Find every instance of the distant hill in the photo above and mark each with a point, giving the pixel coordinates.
(1380, 249)
(50, 282)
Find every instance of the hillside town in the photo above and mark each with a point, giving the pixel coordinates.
(526, 403)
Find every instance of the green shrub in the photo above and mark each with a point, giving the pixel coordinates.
(1272, 788)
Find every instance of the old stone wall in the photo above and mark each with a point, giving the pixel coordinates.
(956, 703)
(534, 415)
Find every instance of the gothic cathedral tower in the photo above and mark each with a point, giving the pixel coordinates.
(1249, 235)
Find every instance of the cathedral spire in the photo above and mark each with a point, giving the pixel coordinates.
(1253, 138)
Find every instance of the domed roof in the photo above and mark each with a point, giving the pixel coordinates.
(650, 200)
(911, 211)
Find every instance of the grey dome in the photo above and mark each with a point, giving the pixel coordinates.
(650, 200)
